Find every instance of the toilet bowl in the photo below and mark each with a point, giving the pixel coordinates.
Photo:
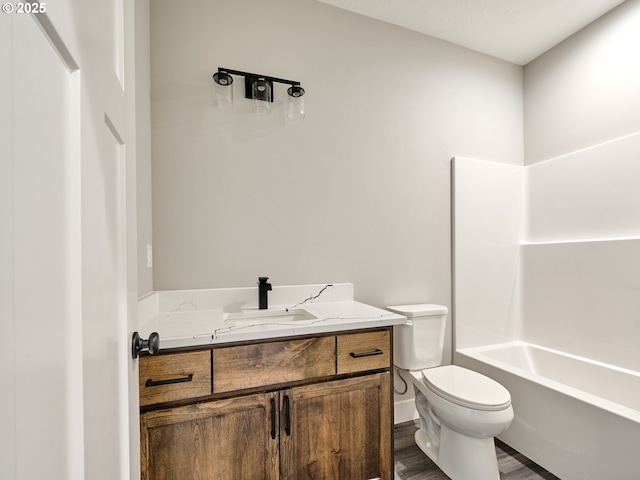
(457, 431)
(460, 411)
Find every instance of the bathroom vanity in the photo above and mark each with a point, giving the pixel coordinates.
(264, 400)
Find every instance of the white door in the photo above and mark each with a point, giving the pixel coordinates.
(67, 271)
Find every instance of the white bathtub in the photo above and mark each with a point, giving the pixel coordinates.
(578, 418)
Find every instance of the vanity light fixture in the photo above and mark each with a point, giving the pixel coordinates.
(260, 89)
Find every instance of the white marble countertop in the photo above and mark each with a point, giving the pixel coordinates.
(193, 318)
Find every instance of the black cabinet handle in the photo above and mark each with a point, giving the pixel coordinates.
(171, 381)
(377, 351)
(287, 413)
(273, 418)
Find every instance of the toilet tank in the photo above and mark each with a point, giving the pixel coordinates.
(419, 345)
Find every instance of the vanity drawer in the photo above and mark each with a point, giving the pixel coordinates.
(364, 351)
(176, 376)
(272, 363)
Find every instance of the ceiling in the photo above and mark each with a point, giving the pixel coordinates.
(514, 30)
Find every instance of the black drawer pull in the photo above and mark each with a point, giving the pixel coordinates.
(171, 381)
(377, 351)
(287, 409)
(273, 418)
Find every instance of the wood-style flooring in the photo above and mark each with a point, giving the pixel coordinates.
(412, 464)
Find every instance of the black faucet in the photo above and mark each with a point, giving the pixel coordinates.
(263, 288)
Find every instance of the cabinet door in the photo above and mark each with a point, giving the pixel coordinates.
(338, 430)
(231, 439)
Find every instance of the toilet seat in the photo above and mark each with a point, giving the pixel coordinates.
(466, 388)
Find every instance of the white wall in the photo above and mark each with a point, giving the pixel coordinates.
(359, 191)
(143, 143)
(586, 90)
(7, 327)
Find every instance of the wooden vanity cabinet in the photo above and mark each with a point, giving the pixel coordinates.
(221, 439)
(299, 419)
(338, 430)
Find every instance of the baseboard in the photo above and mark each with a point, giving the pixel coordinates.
(404, 411)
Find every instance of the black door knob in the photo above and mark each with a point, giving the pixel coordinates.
(152, 345)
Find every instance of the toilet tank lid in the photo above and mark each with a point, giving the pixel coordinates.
(419, 310)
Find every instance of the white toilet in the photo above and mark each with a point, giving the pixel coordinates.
(460, 410)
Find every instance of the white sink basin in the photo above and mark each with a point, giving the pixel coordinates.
(253, 317)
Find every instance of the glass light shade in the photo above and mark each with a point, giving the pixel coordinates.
(223, 90)
(295, 110)
(262, 95)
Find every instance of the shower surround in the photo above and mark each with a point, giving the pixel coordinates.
(547, 268)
